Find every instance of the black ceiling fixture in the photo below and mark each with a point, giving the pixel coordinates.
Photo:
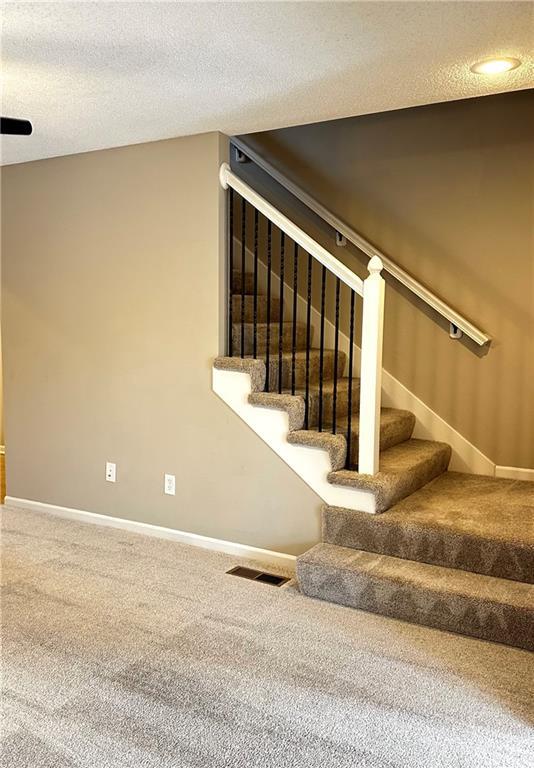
(15, 127)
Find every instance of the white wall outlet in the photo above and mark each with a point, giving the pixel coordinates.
(170, 485)
(111, 472)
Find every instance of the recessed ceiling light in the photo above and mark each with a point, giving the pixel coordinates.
(495, 66)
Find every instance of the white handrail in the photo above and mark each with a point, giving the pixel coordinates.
(417, 288)
(229, 179)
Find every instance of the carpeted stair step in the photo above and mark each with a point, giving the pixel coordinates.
(336, 444)
(469, 603)
(291, 404)
(396, 426)
(300, 367)
(261, 309)
(261, 337)
(475, 523)
(328, 399)
(403, 470)
(237, 281)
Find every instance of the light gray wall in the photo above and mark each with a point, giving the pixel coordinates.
(111, 298)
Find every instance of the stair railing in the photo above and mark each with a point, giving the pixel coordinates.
(293, 375)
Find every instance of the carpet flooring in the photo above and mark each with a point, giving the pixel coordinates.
(121, 650)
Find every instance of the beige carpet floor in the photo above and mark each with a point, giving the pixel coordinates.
(2, 478)
(125, 651)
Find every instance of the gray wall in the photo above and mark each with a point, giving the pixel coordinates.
(111, 298)
(448, 192)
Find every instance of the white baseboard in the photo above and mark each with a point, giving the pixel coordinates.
(183, 537)
(515, 473)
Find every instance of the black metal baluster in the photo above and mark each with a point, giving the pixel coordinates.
(268, 334)
(281, 315)
(308, 342)
(294, 336)
(231, 274)
(256, 228)
(243, 243)
(321, 349)
(336, 350)
(349, 391)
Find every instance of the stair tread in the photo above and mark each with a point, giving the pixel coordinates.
(387, 416)
(328, 386)
(394, 425)
(264, 309)
(445, 598)
(403, 469)
(477, 523)
(487, 506)
(237, 282)
(300, 361)
(396, 460)
(249, 298)
(336, 445)
(248, 331)
(263, 324)
(300, 355)
(432, 578)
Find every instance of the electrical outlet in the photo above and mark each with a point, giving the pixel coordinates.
(111, 472)
(170, 485)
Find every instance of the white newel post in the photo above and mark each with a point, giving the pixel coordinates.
(371, 368)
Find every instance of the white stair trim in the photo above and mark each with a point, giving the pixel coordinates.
(311, 464)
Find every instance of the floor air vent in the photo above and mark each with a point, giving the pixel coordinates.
(252, 575)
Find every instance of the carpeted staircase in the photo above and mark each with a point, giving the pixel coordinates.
(451, 550)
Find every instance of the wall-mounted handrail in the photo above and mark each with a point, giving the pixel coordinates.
(229, 178)
(455, 318)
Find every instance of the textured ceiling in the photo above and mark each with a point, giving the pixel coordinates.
(105, 74)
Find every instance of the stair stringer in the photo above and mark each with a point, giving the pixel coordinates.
(272, 425)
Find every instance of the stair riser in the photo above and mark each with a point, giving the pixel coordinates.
(467, 616)
(261, 338)
(357, 530)
(262, 305)
(390, 435)
(237, 282)
(300, 370)
(342, 406)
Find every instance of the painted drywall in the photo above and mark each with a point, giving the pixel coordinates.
(112, 299)
(447, 191)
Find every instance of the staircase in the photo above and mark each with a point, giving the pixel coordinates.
(458, 555)
(449, 550)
